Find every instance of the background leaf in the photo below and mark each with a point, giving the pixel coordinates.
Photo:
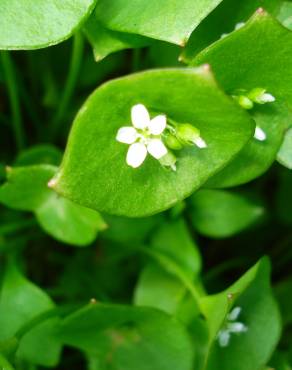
(30, 25)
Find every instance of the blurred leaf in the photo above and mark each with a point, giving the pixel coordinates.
(285, 14)
(262, 64)
(165, 285)
(40, 24)
(282, 292)
(220, 214)
(27, 189)
(94, 160)
(39, 154)
(20, 302)
(4, 364)
(164, 20)
(285, 152)
(130, 338)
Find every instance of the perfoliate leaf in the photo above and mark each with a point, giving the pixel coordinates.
(94, 171)
(28, 24)
(260, 65)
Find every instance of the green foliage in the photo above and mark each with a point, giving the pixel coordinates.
(94, 160)
(27, 189)
(171, 103)
(40, 24)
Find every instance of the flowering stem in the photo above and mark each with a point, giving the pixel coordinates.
(9, 73)
(74, 68)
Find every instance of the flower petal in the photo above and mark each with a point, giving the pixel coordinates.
(200, 143)
(223, 338)
(267, 98)
(157, 125)
(234, 314)
(260, 134)
(140, 116)
(136, 155)
(156, 148)
(126, 135)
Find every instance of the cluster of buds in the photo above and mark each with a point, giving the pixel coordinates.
(158, 136)
(248, 99)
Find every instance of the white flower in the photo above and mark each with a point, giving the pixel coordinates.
(231, 326)
(143, 137)
(259, 134)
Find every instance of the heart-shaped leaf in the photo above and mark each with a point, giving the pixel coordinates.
(27, 189)
(262, 64)
(167, 20)
(28, 24)
(94, 171)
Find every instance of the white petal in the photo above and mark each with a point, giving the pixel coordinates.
(156, 148)
(140, 116)
(259, 134)
(234, 314)
(126, 135)
(200, 143)
(239, 25)
(267, 98)
(237, 327)
(223, 338)
(157, 125)
(136, 155)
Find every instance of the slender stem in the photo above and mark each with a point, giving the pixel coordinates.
(75, 63)
(9, 72)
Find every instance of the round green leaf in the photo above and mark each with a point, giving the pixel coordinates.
(94, 172)
(28, 24)
(27, 189)
(167, 20)
(266, 63)
(220, 214)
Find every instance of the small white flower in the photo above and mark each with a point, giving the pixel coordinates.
(231, 326)
(144, 137)
(259, 134)
(266, 98)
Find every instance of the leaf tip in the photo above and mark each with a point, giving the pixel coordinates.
(93, 301)
(261, 11)
(8, 169)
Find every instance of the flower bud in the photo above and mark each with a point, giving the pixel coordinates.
(172, 142)
(260, 96)
(244, 101)
(187, 133)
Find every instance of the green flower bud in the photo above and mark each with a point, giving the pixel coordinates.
(260, 96)
(168, 160)
(172, 142)
(187, 133)
(244, 101)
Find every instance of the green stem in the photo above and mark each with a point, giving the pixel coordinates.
(9, 72)
(74, 68)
